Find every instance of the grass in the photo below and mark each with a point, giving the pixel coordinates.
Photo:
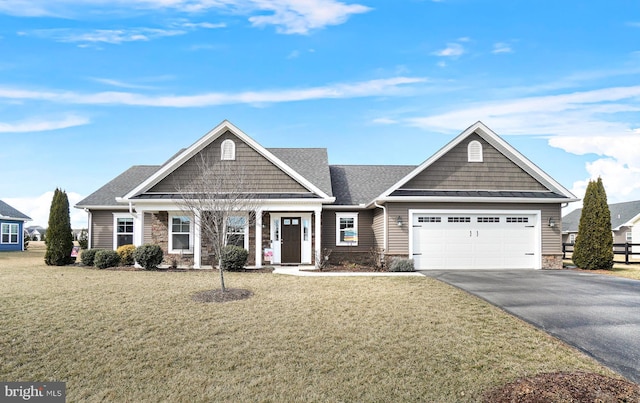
(138, 336)
(631, 271)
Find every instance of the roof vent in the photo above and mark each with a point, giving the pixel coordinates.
(474, 151)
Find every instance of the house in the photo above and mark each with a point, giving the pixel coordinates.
(476, 204)
(11, 228)
(36, 232)
(625, 223)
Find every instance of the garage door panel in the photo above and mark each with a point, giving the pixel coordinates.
(474, 241)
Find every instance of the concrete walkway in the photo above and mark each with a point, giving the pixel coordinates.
(311, 271)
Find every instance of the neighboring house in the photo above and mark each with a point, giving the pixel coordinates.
(36, 232)
(476, 204)
(11, 228)
(625, 223)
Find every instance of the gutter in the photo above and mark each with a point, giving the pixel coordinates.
(384, 231)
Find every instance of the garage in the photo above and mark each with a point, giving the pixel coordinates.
(455, 239)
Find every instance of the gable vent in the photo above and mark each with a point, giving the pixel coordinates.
(474, 151)
(228, 151)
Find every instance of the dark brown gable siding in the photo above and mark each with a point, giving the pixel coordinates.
(453, 171)
(258, 173)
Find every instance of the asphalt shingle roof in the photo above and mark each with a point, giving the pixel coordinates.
(621, 213)
(360, 184)
(7, 211)
(311, 163)
(119, 186)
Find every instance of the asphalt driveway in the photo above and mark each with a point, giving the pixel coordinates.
(597, 314)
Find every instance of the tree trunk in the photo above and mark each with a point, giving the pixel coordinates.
(221, 276)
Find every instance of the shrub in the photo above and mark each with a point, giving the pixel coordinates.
(401, 264)
(87, 256)
(234, 257)
(83, 239)
(106, 258)
(126, 254)
(148, 255)
(59, 237)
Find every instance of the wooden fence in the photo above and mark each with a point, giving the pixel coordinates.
(625, 249)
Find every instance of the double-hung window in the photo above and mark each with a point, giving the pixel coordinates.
(237, 231)
(346, 229)
(180, 234)
(124, 231)
(9, 233)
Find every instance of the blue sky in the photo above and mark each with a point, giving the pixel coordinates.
(91, 87)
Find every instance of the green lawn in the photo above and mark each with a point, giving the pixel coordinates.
(138, 336)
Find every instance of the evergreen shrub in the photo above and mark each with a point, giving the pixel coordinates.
(106, 258)
(234, 257)
(148, 256)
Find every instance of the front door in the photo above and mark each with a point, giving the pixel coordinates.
(290, 240)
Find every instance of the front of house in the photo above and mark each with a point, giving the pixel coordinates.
(476, 203)
(11, 228)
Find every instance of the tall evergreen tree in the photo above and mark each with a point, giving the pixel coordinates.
(59, 237)
(593, 249)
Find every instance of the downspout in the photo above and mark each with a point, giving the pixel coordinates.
(384, 231)
(89, 224)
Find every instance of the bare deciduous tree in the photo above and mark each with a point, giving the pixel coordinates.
(218, 195)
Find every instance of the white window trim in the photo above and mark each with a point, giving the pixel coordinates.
(628, 236)
(116, 216)
(572, 238)
(355, 225)
(228, 150)
(9, 225)
(246, 229)
(170, 230)
(474, 151)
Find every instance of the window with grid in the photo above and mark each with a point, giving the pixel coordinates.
(9, 233)
(180, 234)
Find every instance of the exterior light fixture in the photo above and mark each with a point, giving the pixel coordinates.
(399, 221)
(552, 222)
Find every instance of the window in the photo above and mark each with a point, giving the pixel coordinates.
(488, 219)
(474, 151)
(518, 219)
(429, 219)
(346, 229)
(237, 231)
(180, 239)
(572, 238)
(228, 151)
(9, 233)
(458, 219)
(629, 236)
(124, 231)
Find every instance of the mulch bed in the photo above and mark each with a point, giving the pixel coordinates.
(231, 294)
(575, 387)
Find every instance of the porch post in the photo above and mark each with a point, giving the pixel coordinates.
(318, 232)
(138, 229)
(197, 242)
(258, 237)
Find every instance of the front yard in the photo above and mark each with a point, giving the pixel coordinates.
(138, 336)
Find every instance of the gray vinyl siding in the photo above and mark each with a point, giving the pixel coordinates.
(366, 237)
(453, 172)
(256, 172)
(378, 228)
(399, 236)
(146, 236)
(102, 229)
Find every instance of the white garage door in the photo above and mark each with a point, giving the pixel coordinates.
(455, 240)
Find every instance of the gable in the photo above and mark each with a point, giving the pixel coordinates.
(453, 171)
(258, 174)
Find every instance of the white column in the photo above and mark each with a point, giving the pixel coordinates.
(318, 232)
(138, 228)
(197, 239)
(259, 238)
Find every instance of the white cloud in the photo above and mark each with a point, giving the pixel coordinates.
(385, 121)
(501, 47)
(39, 125)
(120, 84)
(112, 36)
(379, 87)
(288, 16)
(452, 50)
(38, 209)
